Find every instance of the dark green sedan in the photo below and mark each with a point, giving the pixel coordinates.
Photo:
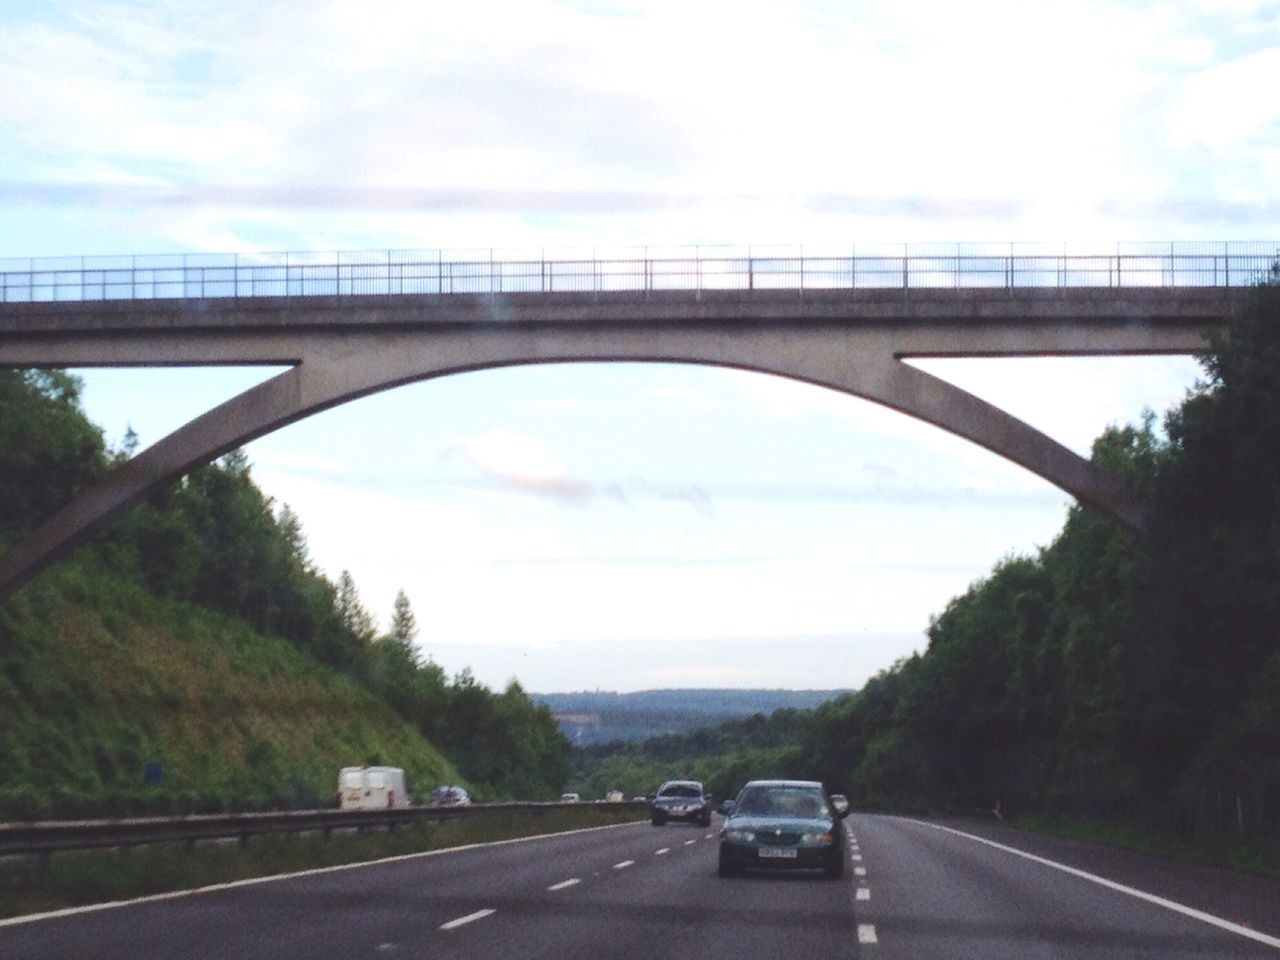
(782, 824)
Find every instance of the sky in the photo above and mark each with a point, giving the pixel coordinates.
(629, 526)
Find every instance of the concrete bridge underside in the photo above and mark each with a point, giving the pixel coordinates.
(339, 349)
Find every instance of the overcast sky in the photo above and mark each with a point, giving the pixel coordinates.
(630, 526)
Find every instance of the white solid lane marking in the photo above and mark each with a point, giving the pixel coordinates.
(623, 865)
(572, 881)
(864, 893)
(469, 918)
(1119, 888)
(315, 871)
(867, 933)
(690, 843)
(658, 853)
(859, 871)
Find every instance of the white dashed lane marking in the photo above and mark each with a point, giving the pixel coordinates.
(867, 933)
(469, 918)
(690, 843)
(563, 884)
(658, 853)
(864, 893)
(857, 856)
(623, 865)
(860, 871)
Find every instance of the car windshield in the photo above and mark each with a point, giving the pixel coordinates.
(781, 802)
(680, 790)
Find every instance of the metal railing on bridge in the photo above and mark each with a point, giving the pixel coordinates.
(928, 266)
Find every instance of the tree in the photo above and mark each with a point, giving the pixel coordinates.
(404, 625)
(355, 618)
(51, 451)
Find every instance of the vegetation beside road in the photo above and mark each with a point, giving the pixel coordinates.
(1127, 683)
(197, 632)
(75, 879)
(1111, 678)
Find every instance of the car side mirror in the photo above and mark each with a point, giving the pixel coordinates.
(726, 808)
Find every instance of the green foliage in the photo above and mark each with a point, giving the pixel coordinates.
(100, 676)
(723, 757)
(195, 604)
(1120, 682)
(50, 452)
(1110, 678)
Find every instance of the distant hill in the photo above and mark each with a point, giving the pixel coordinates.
(597, 716)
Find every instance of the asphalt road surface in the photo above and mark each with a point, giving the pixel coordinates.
(912, 890)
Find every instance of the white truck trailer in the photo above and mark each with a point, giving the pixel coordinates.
(371, 788)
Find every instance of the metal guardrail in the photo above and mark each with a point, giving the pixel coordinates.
(643, 269)
(44, 838)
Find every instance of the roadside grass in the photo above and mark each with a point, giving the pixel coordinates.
(1236, 854)
(79, 878)
(98, 677)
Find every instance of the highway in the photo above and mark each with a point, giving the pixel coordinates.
(912, 890)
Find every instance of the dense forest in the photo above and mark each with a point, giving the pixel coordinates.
(1110, 677)
(209, 565)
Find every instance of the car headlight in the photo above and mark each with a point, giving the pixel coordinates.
(746, 836)
(815, 839)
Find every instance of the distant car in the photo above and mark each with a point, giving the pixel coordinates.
(448, 795)
(680, 800)
(569, 798)
(614, 796)
(782, 823)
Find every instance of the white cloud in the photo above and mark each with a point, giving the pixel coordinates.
(769, 121)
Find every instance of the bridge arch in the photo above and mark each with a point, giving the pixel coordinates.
(332, 367)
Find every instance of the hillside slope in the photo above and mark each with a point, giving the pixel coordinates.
(98, 676)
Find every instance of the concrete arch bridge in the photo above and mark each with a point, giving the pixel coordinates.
(348, 325)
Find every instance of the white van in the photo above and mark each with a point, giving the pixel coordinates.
(371, 788)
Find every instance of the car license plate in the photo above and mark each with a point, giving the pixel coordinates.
(778, 853)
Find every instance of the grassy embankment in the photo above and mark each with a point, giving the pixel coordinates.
(98, 676)
(1239, 854)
